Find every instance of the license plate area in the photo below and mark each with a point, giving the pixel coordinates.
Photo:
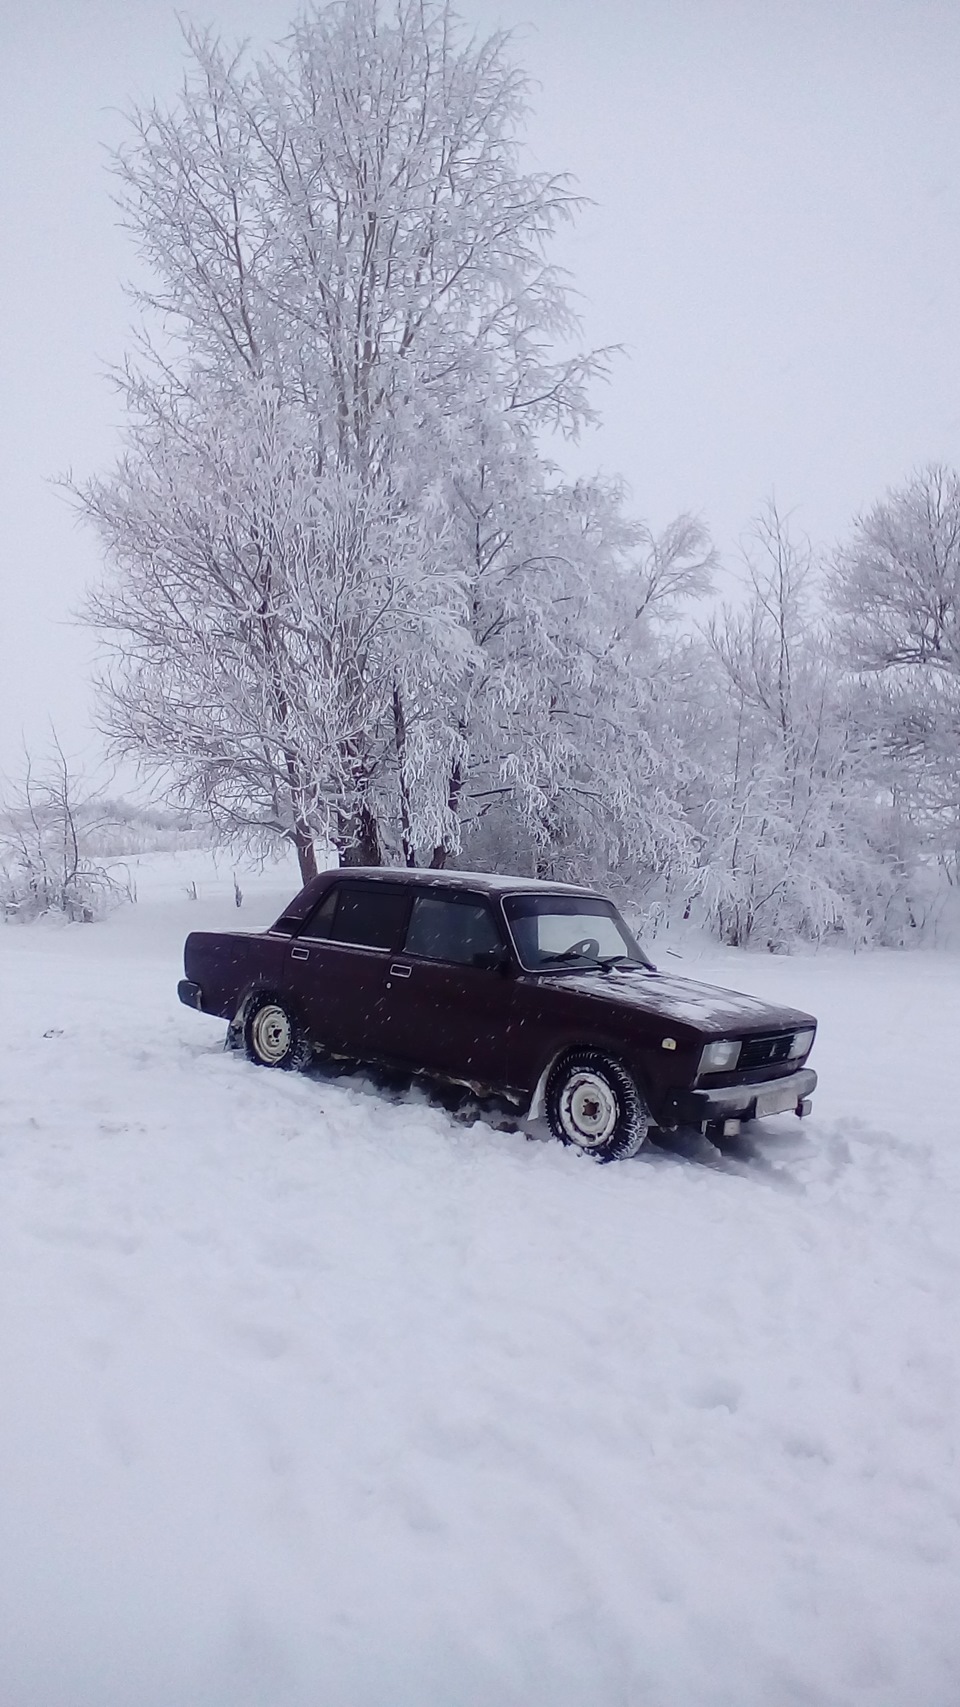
(777, 1101)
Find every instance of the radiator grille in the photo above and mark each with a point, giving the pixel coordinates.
(764, 1051)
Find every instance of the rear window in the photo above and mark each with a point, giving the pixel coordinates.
(365, 915)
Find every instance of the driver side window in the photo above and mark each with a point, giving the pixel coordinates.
(445, 927)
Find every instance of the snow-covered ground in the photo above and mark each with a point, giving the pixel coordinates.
(311, 1396)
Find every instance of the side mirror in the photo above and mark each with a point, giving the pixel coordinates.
(493, 960)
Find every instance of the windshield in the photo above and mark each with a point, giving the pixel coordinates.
(553, 933)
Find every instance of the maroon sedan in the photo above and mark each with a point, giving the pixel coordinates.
(537, 992)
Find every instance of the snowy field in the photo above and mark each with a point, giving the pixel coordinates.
(316, 1396)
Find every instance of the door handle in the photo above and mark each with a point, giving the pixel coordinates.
(299, 954)
(400, 971)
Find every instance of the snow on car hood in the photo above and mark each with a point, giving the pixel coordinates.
(706, 1006)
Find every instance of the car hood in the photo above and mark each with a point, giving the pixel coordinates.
(706, 1007)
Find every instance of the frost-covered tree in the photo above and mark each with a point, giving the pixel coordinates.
(548, 752)
(349, 269)
(792, 843)
(897, 579)
(257, 608)
(895, 587)
(615, 809)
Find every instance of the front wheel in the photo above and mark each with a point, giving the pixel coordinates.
(271, 1035)
(594, 1104)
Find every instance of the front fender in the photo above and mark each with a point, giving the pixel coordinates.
(538, 1101)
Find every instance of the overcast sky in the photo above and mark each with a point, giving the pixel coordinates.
(775, 239)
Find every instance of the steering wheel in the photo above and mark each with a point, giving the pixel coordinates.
(588, 947)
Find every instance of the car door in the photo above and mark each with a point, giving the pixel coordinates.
(449, 1003)
(337, 965)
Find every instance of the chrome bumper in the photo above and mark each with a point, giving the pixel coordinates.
(737, 1103)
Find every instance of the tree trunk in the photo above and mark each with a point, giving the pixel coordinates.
(306, 852)
(441, 852)
(359, 839)
(400, 739)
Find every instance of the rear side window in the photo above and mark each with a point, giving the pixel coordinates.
(320, 920)
(369, 915)
(445, 928)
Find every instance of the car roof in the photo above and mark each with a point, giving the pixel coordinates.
(492, 883)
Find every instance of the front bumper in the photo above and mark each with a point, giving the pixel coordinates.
(190, 994)
(743, 1102)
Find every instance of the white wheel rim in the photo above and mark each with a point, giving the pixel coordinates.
(271, 1034)
(589, 1110)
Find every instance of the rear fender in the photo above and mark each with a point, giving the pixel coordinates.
(234, 1038)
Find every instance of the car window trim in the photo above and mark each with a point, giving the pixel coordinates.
(332, 942)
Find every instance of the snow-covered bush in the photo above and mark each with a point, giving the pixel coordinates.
(45, 862)
(114, 828)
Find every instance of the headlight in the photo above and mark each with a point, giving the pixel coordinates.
(720, 1057)
(801, 1043)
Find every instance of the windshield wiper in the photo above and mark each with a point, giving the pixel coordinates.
(606, 962)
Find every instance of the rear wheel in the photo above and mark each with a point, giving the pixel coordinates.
(594, 1104)
(271, 1035)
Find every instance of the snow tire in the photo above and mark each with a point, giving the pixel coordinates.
(272, 1036)
(594, 1104)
